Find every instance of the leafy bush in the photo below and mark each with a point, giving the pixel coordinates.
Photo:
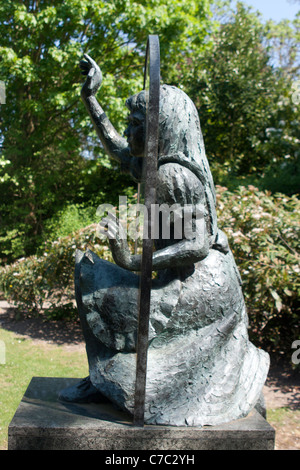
(39, 283)
(278, 177)
(70, 219)
(263, 232)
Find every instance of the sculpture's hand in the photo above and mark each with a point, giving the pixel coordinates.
(117, 241)
(94, 76)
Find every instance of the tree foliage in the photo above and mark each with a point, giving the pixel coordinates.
(45, 130)
(283, 40)
(245, 96)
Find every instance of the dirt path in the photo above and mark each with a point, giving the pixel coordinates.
(281, 391)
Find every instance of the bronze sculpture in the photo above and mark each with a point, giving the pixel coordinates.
(202, 368)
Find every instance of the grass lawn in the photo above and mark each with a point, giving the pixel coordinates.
(25, 359)
(286, 423)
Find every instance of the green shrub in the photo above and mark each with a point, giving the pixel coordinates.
(69, 220)
(46, 283)
(278, 177)
(263, 232)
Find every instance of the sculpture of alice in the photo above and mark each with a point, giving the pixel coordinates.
(202, 368)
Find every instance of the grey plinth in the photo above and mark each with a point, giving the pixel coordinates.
(41, 422)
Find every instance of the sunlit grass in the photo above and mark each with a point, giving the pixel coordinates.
(286, 423)
(23, 360)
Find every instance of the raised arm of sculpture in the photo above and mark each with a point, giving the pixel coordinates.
(114, 144)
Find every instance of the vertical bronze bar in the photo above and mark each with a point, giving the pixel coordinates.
(151, 152)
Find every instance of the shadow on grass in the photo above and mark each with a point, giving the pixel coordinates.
(56, 331)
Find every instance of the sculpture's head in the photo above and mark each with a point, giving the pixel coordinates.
(180, 136)
(179, 127)
(136, 129)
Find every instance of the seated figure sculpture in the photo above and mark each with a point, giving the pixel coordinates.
(202, 368)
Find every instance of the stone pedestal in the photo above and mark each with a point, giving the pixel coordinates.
(41, 422)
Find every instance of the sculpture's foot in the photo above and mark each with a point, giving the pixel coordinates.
(83, 392)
